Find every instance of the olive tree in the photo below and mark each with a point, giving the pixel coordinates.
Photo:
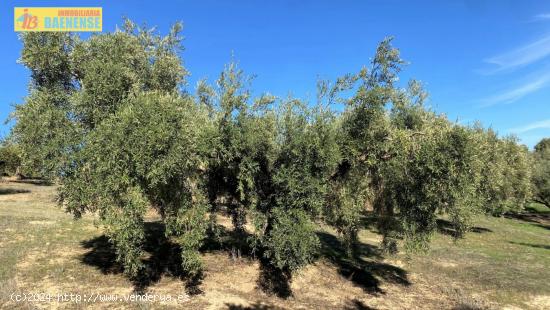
(410, 165)
(363, 140)
(106, 117)
(272, 163)
(506, 176)
(541, 172)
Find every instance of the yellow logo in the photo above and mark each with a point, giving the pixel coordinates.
(58, 19)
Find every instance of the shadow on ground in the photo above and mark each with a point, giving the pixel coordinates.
(163, 258)
(366, 274)
(10, 191)
(357, 305)
(255, 306)
(538, 246)
(447, 228)
(351, 305)
(273, 280)
(39, 182)
(532, 215)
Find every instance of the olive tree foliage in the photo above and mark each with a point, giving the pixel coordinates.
(246, 142)
(10, 159)
(152, 152)
(433, 169)
(106, 117)
(506, 175)
(307, 155)
(44, 130)
(541, 172)
(273, 163)
(364, 136)
(411, 165)
(382, 129)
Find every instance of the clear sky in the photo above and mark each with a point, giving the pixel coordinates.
(480, 60)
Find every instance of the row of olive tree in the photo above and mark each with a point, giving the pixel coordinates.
(108, 118)
(541, 172)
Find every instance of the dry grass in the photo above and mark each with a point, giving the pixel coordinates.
(505, 264)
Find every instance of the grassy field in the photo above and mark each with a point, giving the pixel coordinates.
(503, 264)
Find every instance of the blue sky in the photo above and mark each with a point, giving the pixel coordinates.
(480, 60)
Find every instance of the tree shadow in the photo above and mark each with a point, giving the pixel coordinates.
(38, 182)
(255, 306)
(357, 305)
(10, 191)
(446, 227)
(369, 221)
(163, 258)
(102, 255)
(539, 246)
(366, 274)
(532, 215)
(272, 280)
(351, 305)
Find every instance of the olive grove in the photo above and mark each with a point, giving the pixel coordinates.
(110, 120)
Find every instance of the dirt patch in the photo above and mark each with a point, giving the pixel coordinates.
(221, 299)
(224, 273)
(41, 222)
(225, 221)
(540, 302)
(511, 307)
(322, 284)
(445, 264)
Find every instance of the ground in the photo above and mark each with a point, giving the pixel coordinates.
(503, 264)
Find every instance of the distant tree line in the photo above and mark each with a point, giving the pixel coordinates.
(108, 118)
